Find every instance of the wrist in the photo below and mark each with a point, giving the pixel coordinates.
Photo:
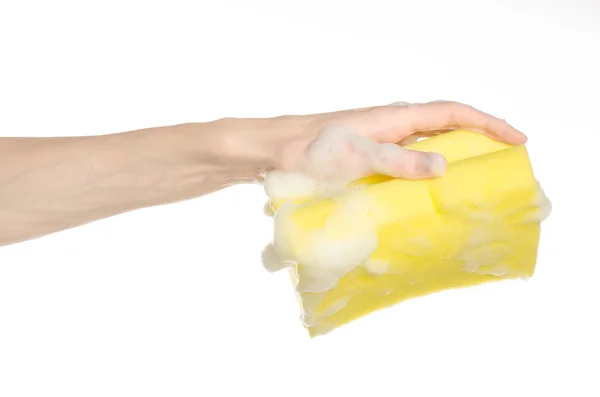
(243, 147)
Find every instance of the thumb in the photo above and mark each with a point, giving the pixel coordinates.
(395, 161)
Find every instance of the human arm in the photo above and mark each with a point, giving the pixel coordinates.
(51, 184)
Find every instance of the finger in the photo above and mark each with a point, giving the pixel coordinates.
(443, 115)
(417, 136)
(394, 123)
(395, 161)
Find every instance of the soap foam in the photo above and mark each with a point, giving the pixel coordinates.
(289, 186)
(477, 256)
(543, 204)
(349, 235)
(339, 156)
(377, 266)
(273, 260)
(346, 240)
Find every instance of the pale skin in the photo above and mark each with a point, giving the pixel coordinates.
(51, 184)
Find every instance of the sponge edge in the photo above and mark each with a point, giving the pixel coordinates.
(382, 240)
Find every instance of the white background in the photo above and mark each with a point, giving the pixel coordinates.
(173, 300)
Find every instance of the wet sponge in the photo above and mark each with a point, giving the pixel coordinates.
(381, 240)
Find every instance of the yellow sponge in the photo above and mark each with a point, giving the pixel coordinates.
(383, 240)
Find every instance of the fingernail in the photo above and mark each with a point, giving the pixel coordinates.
(518, 133)
(521, 135)
(437, 164)
(518, 137)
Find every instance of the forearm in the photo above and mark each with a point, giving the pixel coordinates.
(50, 184)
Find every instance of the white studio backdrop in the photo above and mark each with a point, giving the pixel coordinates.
(173, 300)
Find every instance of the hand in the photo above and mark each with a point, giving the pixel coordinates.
(347, 145)
(326, 151)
